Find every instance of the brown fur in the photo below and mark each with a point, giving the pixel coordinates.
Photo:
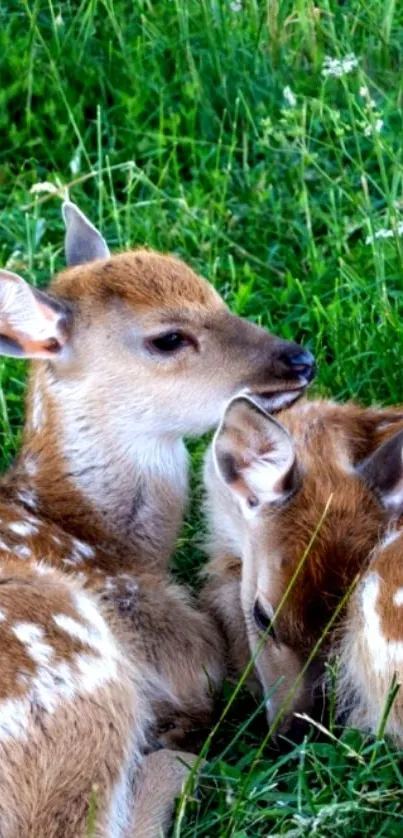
(38, 711)
(109, 305)
(330, 441)
(91, 510)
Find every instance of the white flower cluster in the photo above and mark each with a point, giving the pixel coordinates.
(373, 129)
(385, 233)
(236, 6)
(338, 67)
(365, 94)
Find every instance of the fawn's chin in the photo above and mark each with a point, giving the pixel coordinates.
(273, 402)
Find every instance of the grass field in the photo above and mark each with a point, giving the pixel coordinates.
(221, 131)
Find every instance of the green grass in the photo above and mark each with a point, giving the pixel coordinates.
(167, 122)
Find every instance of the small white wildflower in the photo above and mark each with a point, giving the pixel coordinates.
(236, 6)
(385, 233)
(75, 162)
(338, 67)
(229, 796)
(369, 129)
(289, 96)
(365, 94)
(59, 20)
(45, 186)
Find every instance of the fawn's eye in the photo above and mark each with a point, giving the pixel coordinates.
(169, 343)
(263, 619)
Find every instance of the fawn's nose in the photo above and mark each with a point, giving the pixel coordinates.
(298, 363)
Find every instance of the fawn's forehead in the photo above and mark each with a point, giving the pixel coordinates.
(322, 427)
(143, 280)
(328, 481)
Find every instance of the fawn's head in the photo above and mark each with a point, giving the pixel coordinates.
(313, 509)
(141, 332)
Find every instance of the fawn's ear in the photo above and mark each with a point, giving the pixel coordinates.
(383, 472)
(83, 242)
(254, 455)
(32, 323)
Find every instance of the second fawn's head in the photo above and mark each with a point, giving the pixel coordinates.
(313, 508)
(142, 339)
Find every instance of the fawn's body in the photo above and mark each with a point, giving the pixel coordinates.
(99, 650)
(269, 487)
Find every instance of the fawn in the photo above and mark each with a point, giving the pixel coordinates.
(299, 507)
(101, 651)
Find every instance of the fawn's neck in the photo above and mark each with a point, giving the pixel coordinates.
(121, 488)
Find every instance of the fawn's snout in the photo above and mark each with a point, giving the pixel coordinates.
(290, 368)
(299, 363)
(273, 370)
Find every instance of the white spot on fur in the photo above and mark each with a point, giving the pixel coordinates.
(390, 537)
(393, 500)
(42, 568)
(23, 528)
(22, 551)
(398, 597)
(13, 718)
(78, 631)
(2, 616)
(89, 610)
(343, 461)
(4, 546)
(73, 561)
(31, 635)
(101, 639)
(28, 497)
(115, 583)
(94, 671)
(110, 584)
(55, 682)
(84, 550)
(384, 653)
(45, 689)
(30, 466)
(81, 577)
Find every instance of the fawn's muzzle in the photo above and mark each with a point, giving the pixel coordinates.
(288, 373)
(299, 364)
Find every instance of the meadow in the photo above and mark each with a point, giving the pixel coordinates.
(261, 141)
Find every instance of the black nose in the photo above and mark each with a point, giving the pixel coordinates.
(300, 362)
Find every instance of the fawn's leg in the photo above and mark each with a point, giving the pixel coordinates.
(159, 782)
(182, 649)
(371, 646)
(221, 597)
